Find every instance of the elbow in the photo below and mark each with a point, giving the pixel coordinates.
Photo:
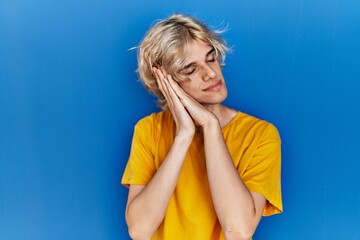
(139, 234)
(243, 234)
(141, 228)
(139, 231)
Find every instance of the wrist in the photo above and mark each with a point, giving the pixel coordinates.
(212, 122)
(212, 125)
(184, 137)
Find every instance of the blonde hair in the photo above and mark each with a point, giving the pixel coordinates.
(165, 45)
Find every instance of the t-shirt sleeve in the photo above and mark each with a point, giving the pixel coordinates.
(140, 167)
(263, 174)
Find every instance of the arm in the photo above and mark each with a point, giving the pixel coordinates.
(239, 210)
(146, 206)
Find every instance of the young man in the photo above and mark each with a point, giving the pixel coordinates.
(198, 169)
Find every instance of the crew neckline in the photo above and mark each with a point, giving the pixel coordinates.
(231, 121)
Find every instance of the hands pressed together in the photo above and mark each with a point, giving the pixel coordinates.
(186, 111)
(238, 210)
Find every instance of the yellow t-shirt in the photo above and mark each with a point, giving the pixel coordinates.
(254, 146)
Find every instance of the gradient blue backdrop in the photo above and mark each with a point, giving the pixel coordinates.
(69, 98)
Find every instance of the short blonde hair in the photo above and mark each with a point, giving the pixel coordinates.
(165, 45)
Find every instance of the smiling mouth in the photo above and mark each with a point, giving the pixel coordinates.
(214, 86)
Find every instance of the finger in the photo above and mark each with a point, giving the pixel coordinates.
(175, 86)
(167, 79)
(160, 80)
(159, 83)
(169, 95)
(184, 98)
(177, 109)
(163, 71)
(171, 91)
(157, 77)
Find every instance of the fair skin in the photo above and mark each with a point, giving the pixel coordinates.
(196, 104)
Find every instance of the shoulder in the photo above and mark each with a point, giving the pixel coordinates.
(155, 130)
(251, 122)
(154, 120)
(253, 126)
(264, 129)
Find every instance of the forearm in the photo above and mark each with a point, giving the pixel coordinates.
(232, 200)
(147, 210)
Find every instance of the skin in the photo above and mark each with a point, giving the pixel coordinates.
(195, 104)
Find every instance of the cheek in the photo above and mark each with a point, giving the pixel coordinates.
(191, 90)
(188, 90)
(186, 86)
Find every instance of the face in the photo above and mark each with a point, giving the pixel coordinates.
(205, 81)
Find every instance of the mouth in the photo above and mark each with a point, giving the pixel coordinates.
(213, 87)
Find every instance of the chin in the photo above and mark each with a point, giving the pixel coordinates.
(215, 100)
(223, 97)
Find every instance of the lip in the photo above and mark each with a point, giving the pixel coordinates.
(213, 87)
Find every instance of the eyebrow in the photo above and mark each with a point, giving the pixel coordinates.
(193, 63)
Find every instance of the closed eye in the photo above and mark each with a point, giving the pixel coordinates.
(211, 56)
(191, 72)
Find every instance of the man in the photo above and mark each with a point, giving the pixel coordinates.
(198, 169)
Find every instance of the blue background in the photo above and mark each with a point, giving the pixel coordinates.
(69, 98)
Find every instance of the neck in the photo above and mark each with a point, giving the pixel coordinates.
(218, 110)
(214, 108)
(223, 113)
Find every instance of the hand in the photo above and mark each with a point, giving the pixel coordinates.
(184, 123)
(201, 116)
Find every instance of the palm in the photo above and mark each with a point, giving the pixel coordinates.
(183, 121)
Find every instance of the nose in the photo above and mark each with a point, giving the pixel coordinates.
(209, 73)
